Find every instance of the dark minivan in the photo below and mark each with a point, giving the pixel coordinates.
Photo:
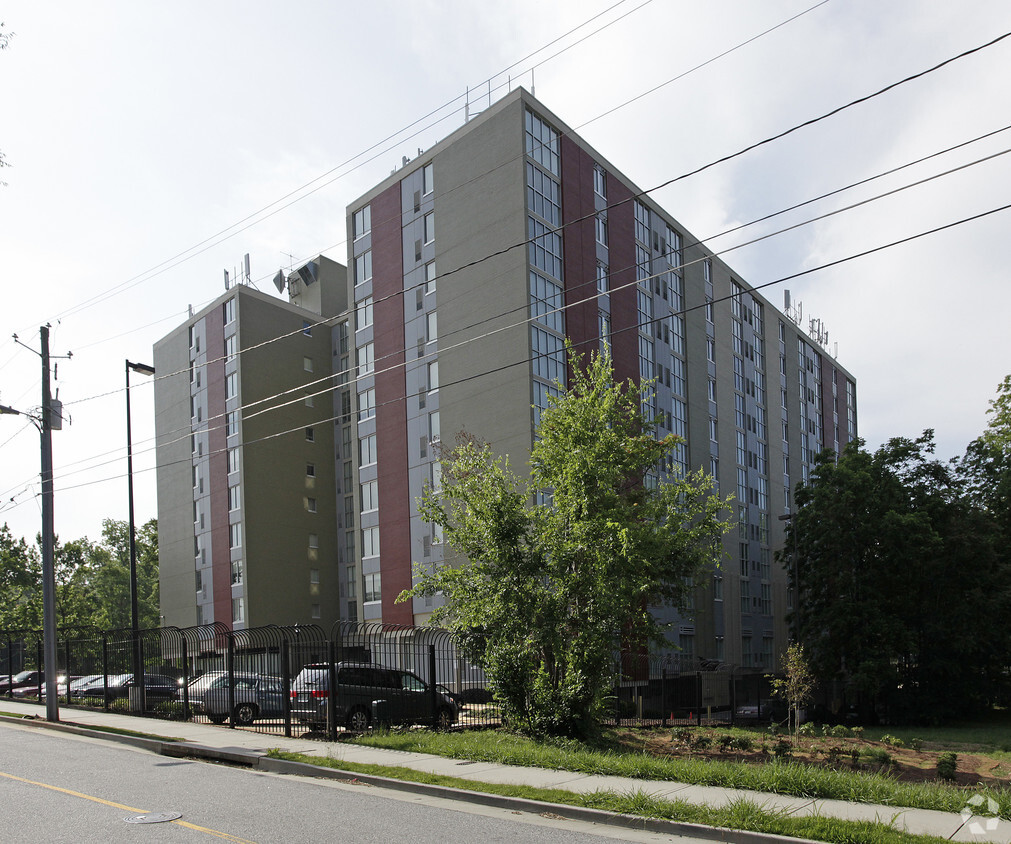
(368, 694)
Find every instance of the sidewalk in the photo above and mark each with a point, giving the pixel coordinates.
(249, 747)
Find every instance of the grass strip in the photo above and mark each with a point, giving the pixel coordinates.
(776, 776)
(741, 814)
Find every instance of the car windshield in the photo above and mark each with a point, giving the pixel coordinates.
(23, 676)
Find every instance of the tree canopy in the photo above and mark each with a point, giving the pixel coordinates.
(903, 574)
(545, 592)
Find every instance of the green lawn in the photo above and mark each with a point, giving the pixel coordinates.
(780, 777)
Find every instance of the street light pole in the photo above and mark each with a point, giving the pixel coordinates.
(138, 668)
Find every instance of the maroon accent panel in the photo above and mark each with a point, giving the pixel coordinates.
(391, 405)
(621, 258)
(578, 239)
(221, 564)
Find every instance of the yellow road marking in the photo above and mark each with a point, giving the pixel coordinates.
(133, 810)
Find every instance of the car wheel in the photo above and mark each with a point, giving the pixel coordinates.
(245, 714)
(444, 718)
(218, 718)
(358, 720)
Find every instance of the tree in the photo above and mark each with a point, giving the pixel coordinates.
(20, 584)
(797, 683)
(901, 587)
(544, 594)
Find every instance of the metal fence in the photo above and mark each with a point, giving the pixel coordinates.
(280, 679)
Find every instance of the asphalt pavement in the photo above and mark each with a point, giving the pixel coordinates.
(249, 747)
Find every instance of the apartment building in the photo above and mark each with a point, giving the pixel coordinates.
(466, 270)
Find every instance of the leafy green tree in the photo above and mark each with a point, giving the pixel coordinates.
(900, 582)
(20, 584)
(796, 685)
(545, 593)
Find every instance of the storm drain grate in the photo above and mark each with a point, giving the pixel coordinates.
(154, 817)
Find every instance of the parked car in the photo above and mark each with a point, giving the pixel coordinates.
(367, 692)
(21, 680)
(157, 688)
(61, 686)
(256, 696)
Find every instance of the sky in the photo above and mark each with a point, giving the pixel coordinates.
(151, 146)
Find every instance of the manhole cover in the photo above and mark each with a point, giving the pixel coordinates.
(154, 817)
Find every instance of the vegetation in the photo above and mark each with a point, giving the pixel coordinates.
(739, 815)
(92, 580)
(796, 685)
(870, 780)
(904, 575)
(543, 594)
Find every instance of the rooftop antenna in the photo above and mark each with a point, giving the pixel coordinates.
(466, 105)
(226, 279)
(533, 87)
(245, 266)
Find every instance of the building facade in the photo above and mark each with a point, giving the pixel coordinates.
(467, 270)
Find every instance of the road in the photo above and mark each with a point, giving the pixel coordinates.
(60, 787)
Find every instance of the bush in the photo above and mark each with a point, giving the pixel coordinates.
(878, 756)
(119, 704)
(807, 729)
(858, 732)
(947, 764)
(892, 741)
(782, 748)
(726, 742)
(742, 743)
(840, 731)
(916, 744)
(834, 754)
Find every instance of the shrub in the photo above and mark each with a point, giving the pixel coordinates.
(877, 755)
(726, 742)
(840, 731)
(947, 764)
(858, 732)
(916, 744)
(834, 754)
(702, 742)
(807, 729)
(683, 735)
(782, 748)
(119, 704)
(742, 743)
(171, 709)
(892, 741)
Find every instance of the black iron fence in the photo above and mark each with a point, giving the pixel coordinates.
(302, 679)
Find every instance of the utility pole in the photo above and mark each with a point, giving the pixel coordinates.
(48, 566)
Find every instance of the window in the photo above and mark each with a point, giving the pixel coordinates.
(307, 364)
(231, 343)
(373, 587)
(710, 349)
(430, 277)
(231, 423)
(546, 303)
(436, 479)
(434, 434)
(600, 228)
(228, 311)
(367, 450)
(310, 434)
(310, 505)
(545, 247)
(314, 542)
(600, 181)
(430, 227)
(433, 376)
(604, 326)
(362, 221)
(366, 359)
(233, 497)
(366, 405)
(197, 482)
(368, 496)
(235, 535)
(370, 542)
(199, 581)
(307, 328)
(363, 313)
(238, 609)
(543, 195)
(602, 278)
(363, 267)
(231, 385)
(310, 470)
(233, 460)
(542, 143)
(433, 327)
(427, 184)
(315, 611)
(236, 572)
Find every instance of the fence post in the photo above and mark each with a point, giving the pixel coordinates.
(186, 680)
(105, 671)
(432, 694)
(10, 666)
(67, 657)
(331, 699)
(230, 668)
(139, 650)
(41, 667)
(286, 685)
